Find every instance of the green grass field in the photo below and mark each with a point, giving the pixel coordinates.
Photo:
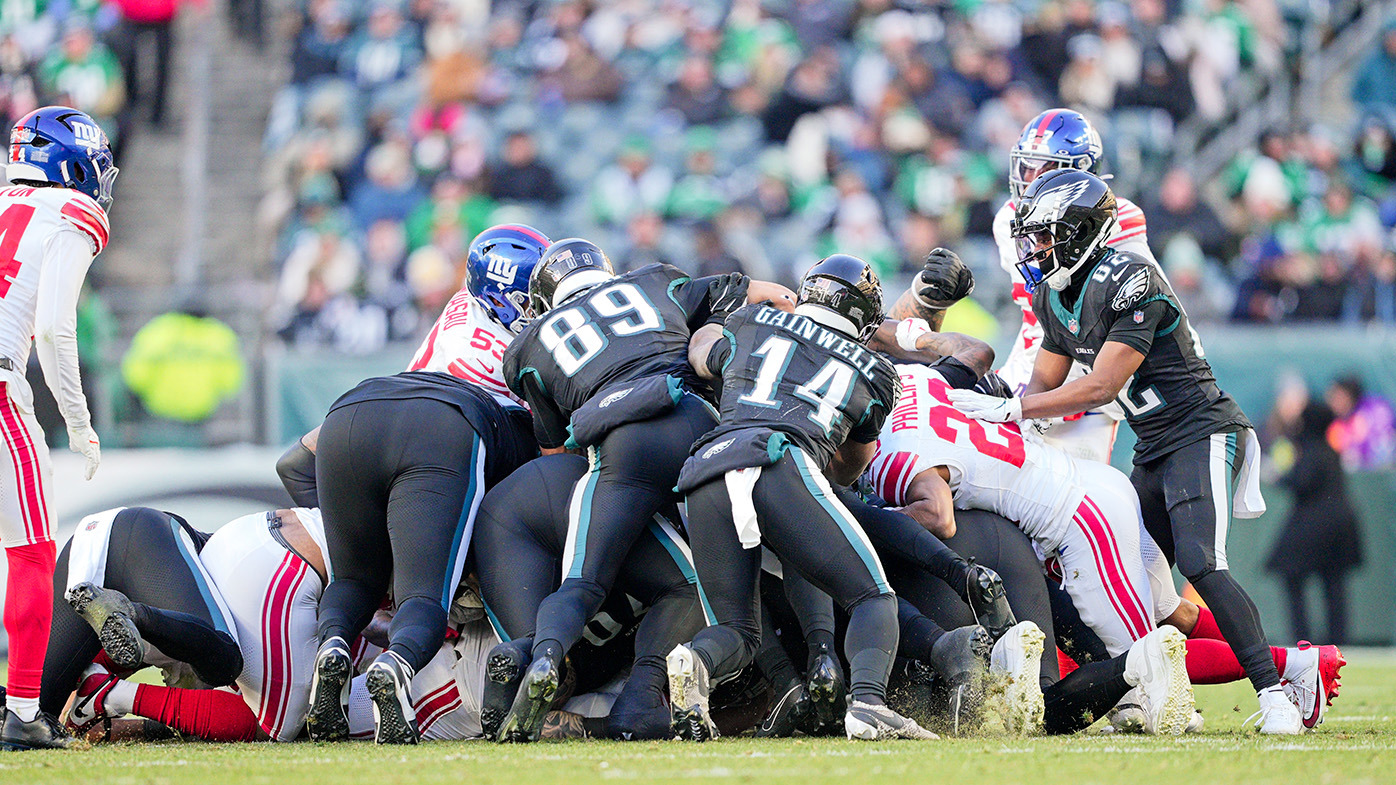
(1357, 744)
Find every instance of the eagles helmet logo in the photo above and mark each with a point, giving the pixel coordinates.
(1132, 291)
(1047, 209)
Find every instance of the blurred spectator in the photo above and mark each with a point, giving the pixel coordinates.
(699, 194)
(152, 19)
(710, 255)
(84, 74)
(1177, 211)
(1364, 427)
(645, 233)
(630, 185)
(583, 75)
(384, 53)
(1374, 85)
(183, 365)
(318, 45)
(1322, 527)
(1371, 296)
(519, 176)
(695, 95)
(391, 189)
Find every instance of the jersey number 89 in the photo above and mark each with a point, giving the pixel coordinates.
(574, 338)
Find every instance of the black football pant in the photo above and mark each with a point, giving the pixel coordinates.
(1186, 498)
(152, 558)
(630, 476)
(803, 522)
(520, 535)
(399, 483)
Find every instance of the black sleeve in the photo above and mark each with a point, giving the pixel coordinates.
(710, 299)
(549, 426)
(720, 354)
(1137, 328)
(956, 373)
(296, 467)
(870, 427)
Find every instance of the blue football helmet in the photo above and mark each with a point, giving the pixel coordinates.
(65, 147)
(498, 267)
(1055, 139)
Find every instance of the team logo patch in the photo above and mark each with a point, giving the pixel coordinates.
(1132, 291)
(613, 397)
(717, 448)
(1073, 326)
(1138, 317)
(91, 525)
(89, 136)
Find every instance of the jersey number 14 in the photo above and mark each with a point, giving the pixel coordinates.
(828, 390)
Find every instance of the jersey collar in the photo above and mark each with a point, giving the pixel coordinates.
(1073, 316)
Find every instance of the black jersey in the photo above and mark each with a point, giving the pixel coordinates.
(1173, 399)
(634, 326)
(787, 374)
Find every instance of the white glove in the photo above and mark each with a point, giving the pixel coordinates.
(987, 407)
(908, 330)
(83, 440)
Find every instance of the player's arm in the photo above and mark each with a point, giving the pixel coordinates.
(1049, 371)
(943, 281)
(849, 461)
(549, 426)
(708, 351)
(930, 503)
(774, 294)
(67, 255)
(296, 468)
(915, 340)
(1113, 367)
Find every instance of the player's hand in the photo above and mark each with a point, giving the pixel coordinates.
(908, 330)
(943, 281)
(83, 441)
(986, 407)
(727, 293)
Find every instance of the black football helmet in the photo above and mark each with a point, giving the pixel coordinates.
(561, 260)
(849, 287)
(1061, 223)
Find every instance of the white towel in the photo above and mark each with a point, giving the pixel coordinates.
(740, 484)
(1248, 502)
(87, 556)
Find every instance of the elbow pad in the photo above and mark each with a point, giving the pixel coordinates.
(296, 467)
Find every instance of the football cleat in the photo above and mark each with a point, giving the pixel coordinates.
(866, 722)
(986, 597)
(89, 703)
(1278, 716)
(113, 617)
(502, 672)
(786, 713)
(524, 722)
(389, 682)
(1195, 724)
(44, 732)
(1128, 715)
(688, 695)
(1312, 679)
(828, 696)
(961, 657)
(1016, 659)
(1157, 665)
(328, 719)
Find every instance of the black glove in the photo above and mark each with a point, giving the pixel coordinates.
(993, 384)
(726, 293)
(944, 281)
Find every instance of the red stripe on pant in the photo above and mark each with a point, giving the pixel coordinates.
(276, 614)
(26, 462)
(1102, 543)
(1145, 611)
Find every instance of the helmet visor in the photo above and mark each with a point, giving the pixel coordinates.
(1024, 169)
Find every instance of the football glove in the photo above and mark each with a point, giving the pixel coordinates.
(943, 281)
(986, 407)
(726, 293)
(83, 441)
(993, 384)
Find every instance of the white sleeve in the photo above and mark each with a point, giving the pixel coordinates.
(67, 255)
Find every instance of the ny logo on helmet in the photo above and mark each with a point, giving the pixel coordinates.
(502, 270)
(89, 136)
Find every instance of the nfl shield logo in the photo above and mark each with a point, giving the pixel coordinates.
(1073, 326)
(1138, 317)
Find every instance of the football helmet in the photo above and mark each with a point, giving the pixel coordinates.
(498, 267)
(1060, 225)
(847, 286)
(576, 259)
(1055, 139)
(65, 147)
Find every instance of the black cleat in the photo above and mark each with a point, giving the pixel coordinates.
(985, 595)
(961, 657)
(524, 723)
(828, 694)
(786, 714)
(328, 719)
(502, 673)
(44, 732)
(113, 617)
(389, 682)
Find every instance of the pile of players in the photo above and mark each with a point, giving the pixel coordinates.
(651, 506)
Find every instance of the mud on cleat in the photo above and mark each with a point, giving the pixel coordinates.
(328, 719)
(503, 670)
(389, 682)
(867, 722)
(113, 617)
(961, 657)
(985, 594)
(524, 723)
(688, 695)
(1127, 716)
(1157, 666)
(1016, 661)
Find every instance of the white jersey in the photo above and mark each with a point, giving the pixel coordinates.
(48, 238)
(1129, 234)
(991, 466)
(466, 343)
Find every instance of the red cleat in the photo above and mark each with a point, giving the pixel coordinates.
(1330, 662)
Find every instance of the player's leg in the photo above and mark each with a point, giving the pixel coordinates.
(825, 681)
(30, 554)
(72, 644)
(1103, 571)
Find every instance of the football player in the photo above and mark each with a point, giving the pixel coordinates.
(1194, 462)
(802, 396)
(53, 221)
(603, 366)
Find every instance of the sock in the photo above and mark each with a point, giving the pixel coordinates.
(214, 715)
(1065, 663)
(28, 613)
(918, 633)
(1206, 626)
(418, 628)
(121, 699)
(1281, 655)
(1084, 696)
(871, 644)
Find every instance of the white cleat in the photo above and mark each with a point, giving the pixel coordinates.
(866, 722)
(1278, 716)
(1128, 715)
(1195, 724)
(688, 695)
(1311, 679)
(1016, 660)
(1157, 666)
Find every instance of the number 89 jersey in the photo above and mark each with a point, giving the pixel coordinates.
(991, 466)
